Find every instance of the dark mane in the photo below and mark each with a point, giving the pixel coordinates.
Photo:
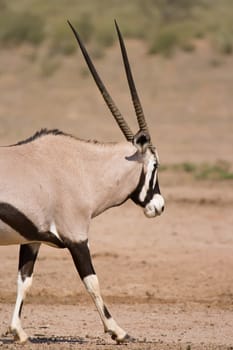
(41, 133)
(45, 132)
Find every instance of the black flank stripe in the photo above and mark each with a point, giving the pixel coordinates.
(22, 224)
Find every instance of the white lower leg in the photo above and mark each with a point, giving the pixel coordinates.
(16, 328)
(110, 325)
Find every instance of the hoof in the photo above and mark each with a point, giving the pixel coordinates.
(20, 338)
(127, 339)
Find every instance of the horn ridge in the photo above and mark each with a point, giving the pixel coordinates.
(109, 101)
(134, 95)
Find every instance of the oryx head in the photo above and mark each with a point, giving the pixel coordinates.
(147, 193)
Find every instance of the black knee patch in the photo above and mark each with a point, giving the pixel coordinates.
(82, 258)
(27, 257)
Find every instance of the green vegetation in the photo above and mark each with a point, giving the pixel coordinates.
(17, 28)
(218, 171)
(166, 25)
(221, 170)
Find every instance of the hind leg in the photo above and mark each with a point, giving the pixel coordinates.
(27, 257)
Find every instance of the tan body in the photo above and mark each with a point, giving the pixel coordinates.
(65, 181)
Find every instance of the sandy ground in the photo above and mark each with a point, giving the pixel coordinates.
(168, 281)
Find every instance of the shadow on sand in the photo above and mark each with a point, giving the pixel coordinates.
(37, 339)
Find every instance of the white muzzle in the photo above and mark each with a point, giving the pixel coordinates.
(155, 207)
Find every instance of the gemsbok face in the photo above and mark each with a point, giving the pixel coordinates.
(52, 185)
(147, 193)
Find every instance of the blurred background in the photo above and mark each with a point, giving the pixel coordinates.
(181, 53)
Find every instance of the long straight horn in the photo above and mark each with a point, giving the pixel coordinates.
(136, 101)
(109, 101)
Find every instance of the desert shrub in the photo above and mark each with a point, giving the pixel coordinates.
(217, 19)
(2, 5)
(188, 167)
(105, 35)
(17, 28)
(164, 24)
(224, 42)
(164, 43)
(63, 41)
(85, 26)
(221, 170)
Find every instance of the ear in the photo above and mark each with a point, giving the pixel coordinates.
(141, 141)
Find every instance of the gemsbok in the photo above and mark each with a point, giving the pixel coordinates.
(52, 184)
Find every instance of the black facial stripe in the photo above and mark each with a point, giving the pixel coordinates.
(156, 188)
(25, 227)
(151, 190)
(135, 195)
(81, 257)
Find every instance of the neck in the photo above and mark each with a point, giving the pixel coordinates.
(116, 172)
(101, 176)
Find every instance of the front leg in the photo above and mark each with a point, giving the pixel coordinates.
(27, 257)
(82, 259)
